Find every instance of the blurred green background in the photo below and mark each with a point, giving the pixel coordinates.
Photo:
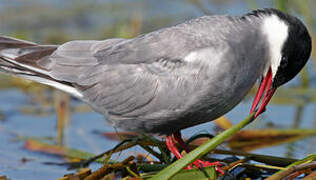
(29, 109)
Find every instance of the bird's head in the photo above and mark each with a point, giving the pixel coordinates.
(289, 46)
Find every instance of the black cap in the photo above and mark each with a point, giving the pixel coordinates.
(295, 51)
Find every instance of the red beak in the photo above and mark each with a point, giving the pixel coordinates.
(266, 88)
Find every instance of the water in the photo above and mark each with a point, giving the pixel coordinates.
(80, 134)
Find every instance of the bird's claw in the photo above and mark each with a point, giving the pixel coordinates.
(201, 164)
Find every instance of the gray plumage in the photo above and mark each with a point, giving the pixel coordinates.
(158, 82)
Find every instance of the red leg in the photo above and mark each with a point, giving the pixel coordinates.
(177, 136)
(198, 163)
(174, 150)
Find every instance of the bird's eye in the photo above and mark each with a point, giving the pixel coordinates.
(284, 62)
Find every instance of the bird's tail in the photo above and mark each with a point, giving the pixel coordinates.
(20, 57)
(27, 60)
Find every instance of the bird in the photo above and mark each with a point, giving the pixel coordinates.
(175, 77)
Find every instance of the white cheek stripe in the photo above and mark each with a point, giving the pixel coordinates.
(277, 32)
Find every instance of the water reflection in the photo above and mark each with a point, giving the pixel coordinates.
(30, 111)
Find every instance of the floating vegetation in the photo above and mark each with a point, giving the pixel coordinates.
(156, 162)
(238, 164)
